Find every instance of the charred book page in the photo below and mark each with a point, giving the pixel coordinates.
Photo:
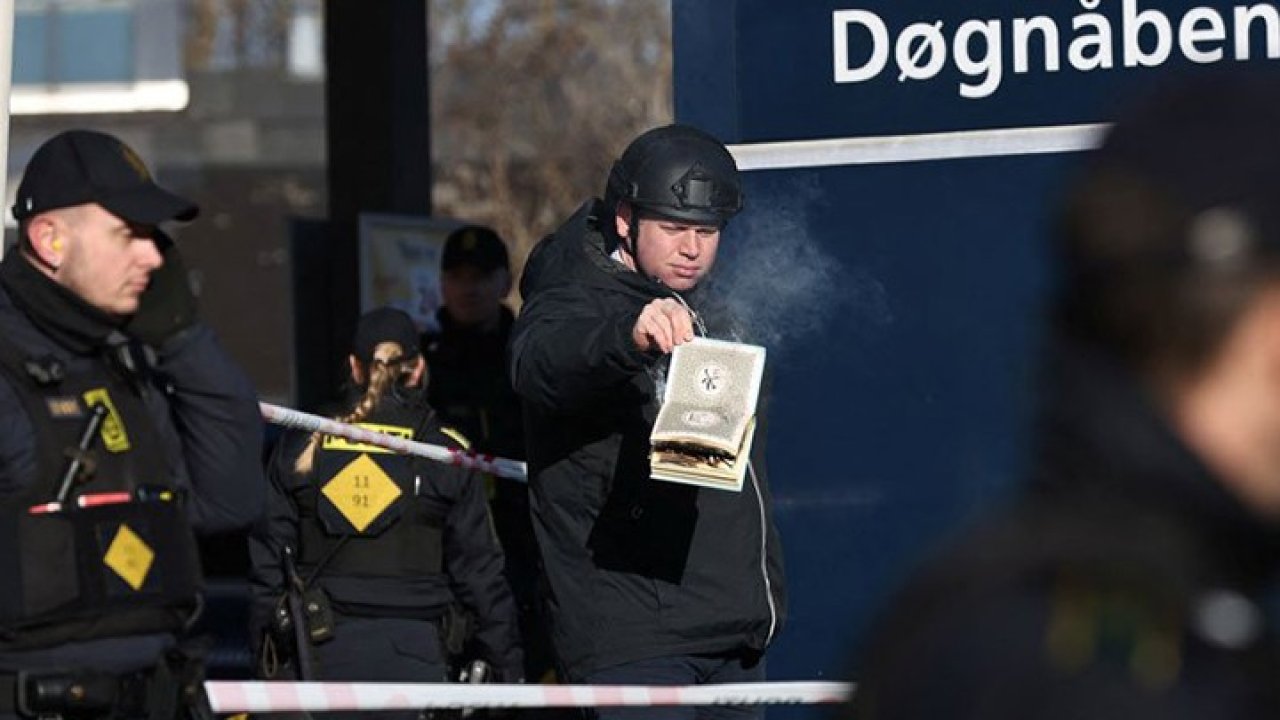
(703, 432)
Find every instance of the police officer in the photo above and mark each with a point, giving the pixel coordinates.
(651, 582)
(468, 384)
(1126, 582)
(384, 544)
(126, 429)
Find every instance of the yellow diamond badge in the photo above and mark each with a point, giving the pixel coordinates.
(361, 491)
(130, 557)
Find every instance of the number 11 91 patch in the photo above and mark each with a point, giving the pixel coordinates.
(361, 491)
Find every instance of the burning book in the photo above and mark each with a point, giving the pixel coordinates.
(703, 432)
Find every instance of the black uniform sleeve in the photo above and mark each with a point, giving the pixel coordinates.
(275, 529)
(566, 351)
(214, 410)
(474, 562)
(17, 441)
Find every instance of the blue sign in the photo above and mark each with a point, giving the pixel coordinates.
(901, 294)
(832, 68)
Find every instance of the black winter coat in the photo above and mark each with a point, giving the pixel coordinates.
(1126, 583)
(636, 568)
(470, 387)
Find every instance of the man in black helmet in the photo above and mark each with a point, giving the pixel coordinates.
(650, 582)
(1129, 579)
(126, 429)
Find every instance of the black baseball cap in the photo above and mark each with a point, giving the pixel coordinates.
(78, 167)
(1210, 145)
(476, 246)
(385, 324)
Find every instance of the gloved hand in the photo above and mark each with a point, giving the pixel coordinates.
(167, 306)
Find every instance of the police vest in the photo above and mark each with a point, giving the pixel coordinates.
(118, 557)
(365, 511)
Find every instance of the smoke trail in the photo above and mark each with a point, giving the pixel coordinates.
(780, 283)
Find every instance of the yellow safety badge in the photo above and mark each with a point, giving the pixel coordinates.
(361, 491)
(129, 557)
(114, 437)
(332, 442)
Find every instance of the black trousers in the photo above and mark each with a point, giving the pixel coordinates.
(380, 650)
(682, 670)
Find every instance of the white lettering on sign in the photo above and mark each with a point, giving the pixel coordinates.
(864, 44)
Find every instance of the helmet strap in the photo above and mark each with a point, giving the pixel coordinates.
(633, 237)
(632, 240)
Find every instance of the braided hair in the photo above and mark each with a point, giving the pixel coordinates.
(388, 368)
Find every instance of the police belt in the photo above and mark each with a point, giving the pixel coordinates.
(172, 689)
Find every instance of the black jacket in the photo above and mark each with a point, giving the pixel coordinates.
(471, 574)
(1124, 584)
(636, 568)
(205, 412)
(469, 385)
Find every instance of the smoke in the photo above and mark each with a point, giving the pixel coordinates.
(780, 283)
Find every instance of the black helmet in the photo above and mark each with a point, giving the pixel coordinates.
(678, 172)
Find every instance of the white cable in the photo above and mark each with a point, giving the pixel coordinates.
(236, 697)
(502, 467)
(764, 553)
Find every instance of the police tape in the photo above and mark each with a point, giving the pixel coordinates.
(238, 697)
(502, 467)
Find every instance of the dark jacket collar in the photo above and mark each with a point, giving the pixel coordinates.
(54, 310)
(578, 254)
(449, 327)
(1101, 439)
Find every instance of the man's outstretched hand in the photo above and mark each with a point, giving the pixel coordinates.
(662, 325)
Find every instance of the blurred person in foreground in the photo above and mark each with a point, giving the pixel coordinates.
(650, 582)
(1126, 581)
(469, 385)
(125, 429)
(374, 549)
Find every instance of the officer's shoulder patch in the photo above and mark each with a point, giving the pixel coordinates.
(456, 436)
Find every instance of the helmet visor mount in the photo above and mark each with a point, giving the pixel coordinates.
(698, 197)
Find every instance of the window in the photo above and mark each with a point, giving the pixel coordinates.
(30, 40)
(97, 56)
(60, 42)
(93, 44)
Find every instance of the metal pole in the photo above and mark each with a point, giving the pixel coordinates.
(6, 83)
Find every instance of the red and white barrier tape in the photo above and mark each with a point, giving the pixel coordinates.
(502, 467)
(237, 697)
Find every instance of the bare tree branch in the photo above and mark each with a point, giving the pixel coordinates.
(532, 99)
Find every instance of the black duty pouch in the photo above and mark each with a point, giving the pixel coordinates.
(456, 628)
(175, 688)
(81, 562)
(317, 613)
